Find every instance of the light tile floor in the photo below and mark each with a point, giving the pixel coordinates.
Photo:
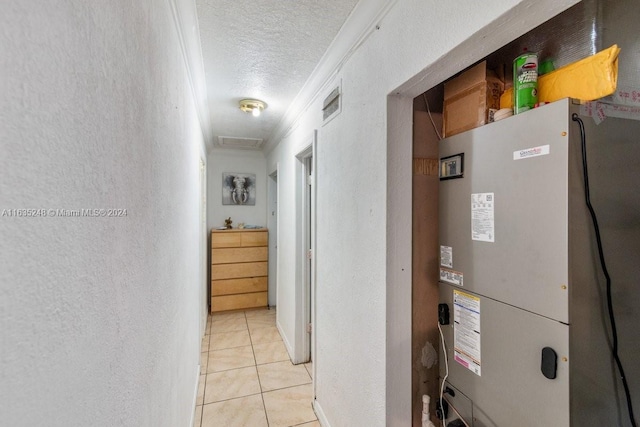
(247, 378)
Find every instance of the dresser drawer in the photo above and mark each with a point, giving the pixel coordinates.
(234, 271)
(236, 255)
(235, 302)
(237, 239)
(225, 240)
(238, 286)
(255, 238)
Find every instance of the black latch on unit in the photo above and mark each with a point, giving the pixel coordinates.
(549, 365)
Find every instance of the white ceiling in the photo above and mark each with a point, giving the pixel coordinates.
(264, 49)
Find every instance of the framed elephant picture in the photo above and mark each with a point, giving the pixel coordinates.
(238, 188)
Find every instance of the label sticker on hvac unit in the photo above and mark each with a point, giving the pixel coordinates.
(482, 222)
(542, 150)
(446, 256)
(451, 276)
(466, 331)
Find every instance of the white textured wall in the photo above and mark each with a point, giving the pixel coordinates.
(99, 317)
(363, 289)
(243, 161)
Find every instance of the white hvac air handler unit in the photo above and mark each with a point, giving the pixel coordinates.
(528, 334)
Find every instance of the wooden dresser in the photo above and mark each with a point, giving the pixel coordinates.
(239, 269)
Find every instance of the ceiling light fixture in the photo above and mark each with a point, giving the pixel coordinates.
(253, 106)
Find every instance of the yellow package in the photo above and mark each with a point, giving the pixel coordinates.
(587, 79)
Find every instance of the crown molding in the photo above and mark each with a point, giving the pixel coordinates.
(194, 65)
(363, 20)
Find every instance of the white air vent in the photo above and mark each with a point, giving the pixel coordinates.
(332, 104)
(240, 143)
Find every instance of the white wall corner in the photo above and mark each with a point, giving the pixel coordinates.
(287, 344)
(195, 395)
(184, 14)
(399, 232)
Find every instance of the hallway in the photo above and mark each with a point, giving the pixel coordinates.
(106, 109)
(247, 378)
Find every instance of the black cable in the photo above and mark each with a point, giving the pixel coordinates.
(594, 219)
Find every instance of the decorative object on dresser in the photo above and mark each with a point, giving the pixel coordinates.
(239, 268)
(227, 223)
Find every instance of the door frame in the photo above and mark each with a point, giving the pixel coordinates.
(204, 253)
(272, 223)
(304, 348)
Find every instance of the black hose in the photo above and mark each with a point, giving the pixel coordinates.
(612, 319)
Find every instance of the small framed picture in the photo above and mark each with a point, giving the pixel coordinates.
(452, 167)
(238, 188)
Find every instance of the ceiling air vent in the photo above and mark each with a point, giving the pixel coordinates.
(332, 105)
(240, 143)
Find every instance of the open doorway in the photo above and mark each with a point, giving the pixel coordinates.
(427, 121)
(272, 224)
(305, 250)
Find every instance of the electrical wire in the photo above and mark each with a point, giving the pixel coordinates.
(431, 117)
(442, 399)
(612, 319)
(446, 364)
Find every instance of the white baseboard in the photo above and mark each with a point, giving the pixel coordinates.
(195, 397)
(322, 419)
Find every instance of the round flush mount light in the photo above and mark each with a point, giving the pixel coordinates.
(253, 106)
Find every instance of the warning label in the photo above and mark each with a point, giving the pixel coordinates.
(451, 276)
(466, 331)
(446, 256)
(482, 221)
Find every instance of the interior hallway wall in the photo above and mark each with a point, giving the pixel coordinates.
(241, 161)
(99, 315)
(363, 249)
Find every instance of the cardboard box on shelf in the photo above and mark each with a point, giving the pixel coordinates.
(468, 98)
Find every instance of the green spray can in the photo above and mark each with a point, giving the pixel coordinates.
(525, 82)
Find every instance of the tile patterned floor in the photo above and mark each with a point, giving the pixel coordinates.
(247, 378)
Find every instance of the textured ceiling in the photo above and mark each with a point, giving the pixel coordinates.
(264, 49)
